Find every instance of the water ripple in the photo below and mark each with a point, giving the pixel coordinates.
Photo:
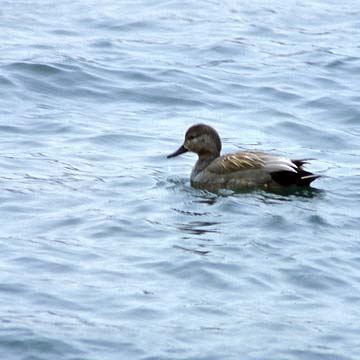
(107, 250)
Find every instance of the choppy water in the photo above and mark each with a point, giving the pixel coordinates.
(106, 250)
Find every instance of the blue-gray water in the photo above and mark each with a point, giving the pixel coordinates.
(106, 250)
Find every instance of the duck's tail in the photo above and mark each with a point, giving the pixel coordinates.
(301, 177)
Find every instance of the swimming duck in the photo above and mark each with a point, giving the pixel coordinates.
(241, 170)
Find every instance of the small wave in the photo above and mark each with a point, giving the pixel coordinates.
(35, 68)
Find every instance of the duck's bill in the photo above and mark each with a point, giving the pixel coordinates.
(179, 151)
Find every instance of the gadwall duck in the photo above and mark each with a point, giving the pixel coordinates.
(241, 170)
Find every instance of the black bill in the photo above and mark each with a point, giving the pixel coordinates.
(179, 151)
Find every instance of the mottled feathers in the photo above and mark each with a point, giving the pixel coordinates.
(241, 169)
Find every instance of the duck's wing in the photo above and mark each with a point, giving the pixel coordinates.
(281, 170)
(251, 160)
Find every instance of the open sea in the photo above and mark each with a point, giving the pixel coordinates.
(106, 251)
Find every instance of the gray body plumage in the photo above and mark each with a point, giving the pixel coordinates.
(246, 169)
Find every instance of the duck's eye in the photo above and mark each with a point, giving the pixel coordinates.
(191, 137)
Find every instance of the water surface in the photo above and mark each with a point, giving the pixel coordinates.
(106, 250)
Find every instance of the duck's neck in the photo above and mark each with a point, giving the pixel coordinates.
(204, 160)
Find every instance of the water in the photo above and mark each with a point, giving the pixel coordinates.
(106, 250)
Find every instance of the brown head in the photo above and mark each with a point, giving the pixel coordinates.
(201, 139)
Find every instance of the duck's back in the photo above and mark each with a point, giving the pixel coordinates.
(233, 171)
(249, 169)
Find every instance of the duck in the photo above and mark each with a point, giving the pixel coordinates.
(241, 170)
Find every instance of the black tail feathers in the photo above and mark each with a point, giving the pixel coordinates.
(299, 178)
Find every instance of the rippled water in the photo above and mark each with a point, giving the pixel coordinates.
(106, 250)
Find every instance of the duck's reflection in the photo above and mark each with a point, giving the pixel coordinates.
(197, 252)
(190, 213)
(198, 227)
(197, 232)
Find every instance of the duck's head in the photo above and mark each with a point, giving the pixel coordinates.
(201, 139)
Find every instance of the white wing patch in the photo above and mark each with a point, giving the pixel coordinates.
(274, 163)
